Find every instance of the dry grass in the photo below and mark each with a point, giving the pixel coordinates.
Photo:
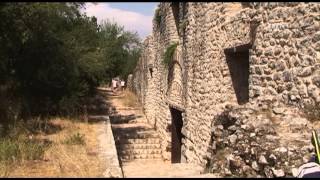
(130, 99)
(60, 159)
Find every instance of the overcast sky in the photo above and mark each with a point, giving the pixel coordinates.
(133, 16)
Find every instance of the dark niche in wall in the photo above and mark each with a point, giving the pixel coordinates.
(238, 62)
(246, 4)
(150, 66)
(176, 135)
(175, 11)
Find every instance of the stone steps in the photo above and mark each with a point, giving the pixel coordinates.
(128, 108)
(140, 156)
(139, 151)
(117, 119)
(139, 146)
(135, 138)
(126, 135)
(139, 141)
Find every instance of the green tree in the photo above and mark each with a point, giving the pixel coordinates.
(46, 49)
(51, 56)
(120, 49)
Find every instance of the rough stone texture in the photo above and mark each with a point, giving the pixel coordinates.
(283, 67)
(261, 148)
(139, 148)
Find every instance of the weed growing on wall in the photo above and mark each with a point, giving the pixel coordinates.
(167, 60)
(157, 17)
(183, 25)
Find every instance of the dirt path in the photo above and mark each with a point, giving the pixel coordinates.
(138, 144)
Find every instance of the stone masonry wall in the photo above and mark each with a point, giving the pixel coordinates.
(280, 42)
(153, 95)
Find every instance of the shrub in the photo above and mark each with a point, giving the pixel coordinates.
(47, 69)
(12, 149)
(75, 139)
(32, 149)
(168, 55)
(9, 150)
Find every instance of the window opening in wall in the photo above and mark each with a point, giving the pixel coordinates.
(238, 62)
(150, 66)
(176, 135)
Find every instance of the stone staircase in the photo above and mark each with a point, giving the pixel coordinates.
(136, 141)
(138, 145)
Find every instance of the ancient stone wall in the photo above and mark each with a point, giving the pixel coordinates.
(285, 58)
(239, 54)
(153, 84)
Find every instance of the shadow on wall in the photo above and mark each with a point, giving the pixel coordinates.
(238, 62)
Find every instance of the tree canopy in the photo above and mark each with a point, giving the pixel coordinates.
(51, 55)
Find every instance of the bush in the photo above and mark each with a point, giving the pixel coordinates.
(32, 149)
(12, 149)
(52, 56)
(75, 139)
(168, 55)
(9, 150)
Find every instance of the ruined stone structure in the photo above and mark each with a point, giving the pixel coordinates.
(254, 55)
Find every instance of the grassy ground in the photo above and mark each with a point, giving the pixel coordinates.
(130, 99)
(64, 148)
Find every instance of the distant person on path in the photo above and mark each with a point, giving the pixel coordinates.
(118, 84)
(122, 85)
(114, 85)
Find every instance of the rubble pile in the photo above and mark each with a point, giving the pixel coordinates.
(246, 143)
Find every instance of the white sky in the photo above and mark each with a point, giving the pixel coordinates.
(131, 20)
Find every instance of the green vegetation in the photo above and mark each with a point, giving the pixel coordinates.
(168, 55)
(182, 26)
(52, 56)
(75, 139)
(9, 150)
(15, 149)
(157, 17)
(17, 145)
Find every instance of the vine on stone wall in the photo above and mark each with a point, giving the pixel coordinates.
(168, 55)
(183, 25)
(157, 17)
